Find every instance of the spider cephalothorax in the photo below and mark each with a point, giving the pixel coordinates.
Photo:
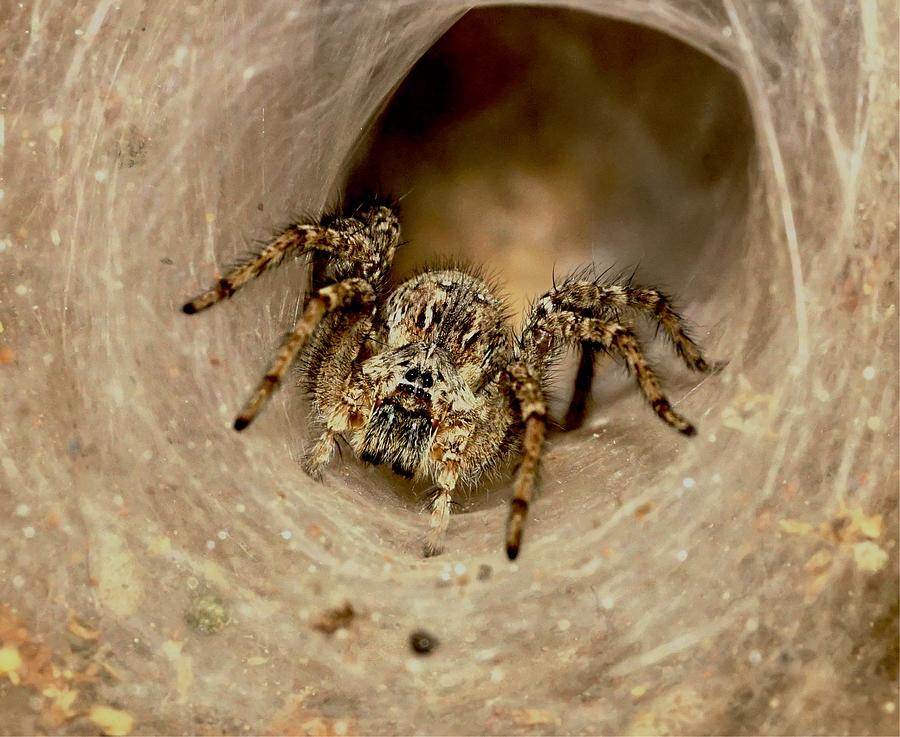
(414, 390)
(428, 378)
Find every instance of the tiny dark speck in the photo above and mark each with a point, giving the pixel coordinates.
(74, 447)
(260, 206)
(166, 260)
(484, 572)
(422, 642)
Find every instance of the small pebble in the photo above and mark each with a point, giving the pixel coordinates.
(682, 555)
(869, 373)
(206, 614)
(688, 483)
(755, 657)
(484, 572)
(28, 532)
(287, 534)
(422, 642)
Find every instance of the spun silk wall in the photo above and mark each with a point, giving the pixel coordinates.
(160, 573)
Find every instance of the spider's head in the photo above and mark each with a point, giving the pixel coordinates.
(415, 387)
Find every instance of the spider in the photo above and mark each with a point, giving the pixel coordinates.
(428, 377)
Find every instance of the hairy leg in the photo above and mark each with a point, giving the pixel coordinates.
(441, 502)
(584, 379)
(599, 300)
(292, 242)
(320, 455)
(621, 339)
(533, 410)
(345, 295)
(362, 245)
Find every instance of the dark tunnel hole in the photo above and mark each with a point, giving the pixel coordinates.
(534, 140)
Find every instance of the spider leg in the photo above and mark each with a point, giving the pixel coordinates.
(599, 299)
(658, 306)
(526, 387)
(626, 344)
(441, 502)
(292, 242)
(350, 294)
(612, 336)
(584, 379)
(320, 455)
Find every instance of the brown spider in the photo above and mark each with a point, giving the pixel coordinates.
(428, 377)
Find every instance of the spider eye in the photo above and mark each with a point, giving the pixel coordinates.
(426, 381)
(412, 375)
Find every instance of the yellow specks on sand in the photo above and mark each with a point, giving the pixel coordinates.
(80, 630)
(869, 557)
(795, 527)
(184, 668)
(61, 700)
(118, 580)
(113, 722)
(159, 546)
(10, 662)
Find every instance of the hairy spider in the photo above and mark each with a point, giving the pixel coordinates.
(428, 377)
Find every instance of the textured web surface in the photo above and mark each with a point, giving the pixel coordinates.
(193, 580)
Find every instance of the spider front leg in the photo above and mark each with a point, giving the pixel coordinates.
(532, 408)
(361, 245)
(292, 242)
(350, 294)
(450, 458)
